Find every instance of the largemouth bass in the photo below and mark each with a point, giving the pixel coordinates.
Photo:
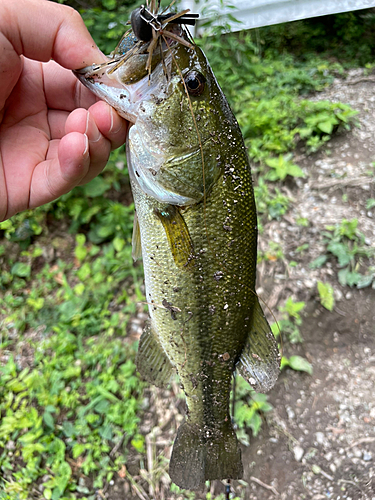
(196, 226)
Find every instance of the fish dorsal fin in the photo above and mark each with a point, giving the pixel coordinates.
(152, 362)
(136, 239)
(259, 363)
(178, 236)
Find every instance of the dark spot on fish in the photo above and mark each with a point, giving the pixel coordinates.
(136, 173)
(122, 96)
(158, 100)
(172, 309)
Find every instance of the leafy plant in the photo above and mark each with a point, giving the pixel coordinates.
(270, 201)
(282, 166)
(291, 321)
(273, 253)
(326, 295)
(248, 410)
(296, 363)
(346, 243)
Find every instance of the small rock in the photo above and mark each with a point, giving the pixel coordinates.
(338, 295)
(319, 437)
(10, 445)
(332, 467)
(367, 456)
(298, 453)
(290, 412)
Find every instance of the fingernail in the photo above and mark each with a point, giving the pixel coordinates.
(92, 130)
(85, 152)
(116, 130)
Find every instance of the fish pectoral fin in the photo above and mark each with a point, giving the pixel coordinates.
(136, 239)
(178, 235)
(259, 363)
(152, 362)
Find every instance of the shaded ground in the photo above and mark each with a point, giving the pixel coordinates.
(320, 439)
(319, 442)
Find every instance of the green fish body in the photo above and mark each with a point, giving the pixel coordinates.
(196, 227)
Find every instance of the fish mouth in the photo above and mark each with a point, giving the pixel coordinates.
(96, 79)
(111, 83)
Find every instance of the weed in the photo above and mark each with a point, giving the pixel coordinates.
(248, 410)
(326, 295)
(288, 326)
(291, 320)
(270, 201)
(281, 167)
(346, 243)
(296, 363)
(274, 252)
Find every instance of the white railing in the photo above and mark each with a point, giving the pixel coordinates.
(256, 13)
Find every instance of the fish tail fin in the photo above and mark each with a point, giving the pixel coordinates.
(201, 455)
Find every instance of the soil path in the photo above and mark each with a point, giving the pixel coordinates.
(319, 441)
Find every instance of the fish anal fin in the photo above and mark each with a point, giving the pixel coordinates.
(136, 239)
(152, 362)
(259, 363)
(178, 235)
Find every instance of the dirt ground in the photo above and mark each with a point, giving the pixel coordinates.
(319, 441)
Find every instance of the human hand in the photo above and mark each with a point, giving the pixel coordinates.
(53, 134)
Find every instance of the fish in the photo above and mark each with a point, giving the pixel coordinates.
(196, 230)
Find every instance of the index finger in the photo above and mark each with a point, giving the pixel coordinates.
(44, 30)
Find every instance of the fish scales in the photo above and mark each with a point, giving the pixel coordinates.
(196, 226)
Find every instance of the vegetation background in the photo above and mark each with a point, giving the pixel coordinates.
(73, 412)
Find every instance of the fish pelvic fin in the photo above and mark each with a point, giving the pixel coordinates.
(201, 455)
(259, 363)
(152, 362)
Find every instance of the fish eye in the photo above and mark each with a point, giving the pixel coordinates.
(195, 83)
